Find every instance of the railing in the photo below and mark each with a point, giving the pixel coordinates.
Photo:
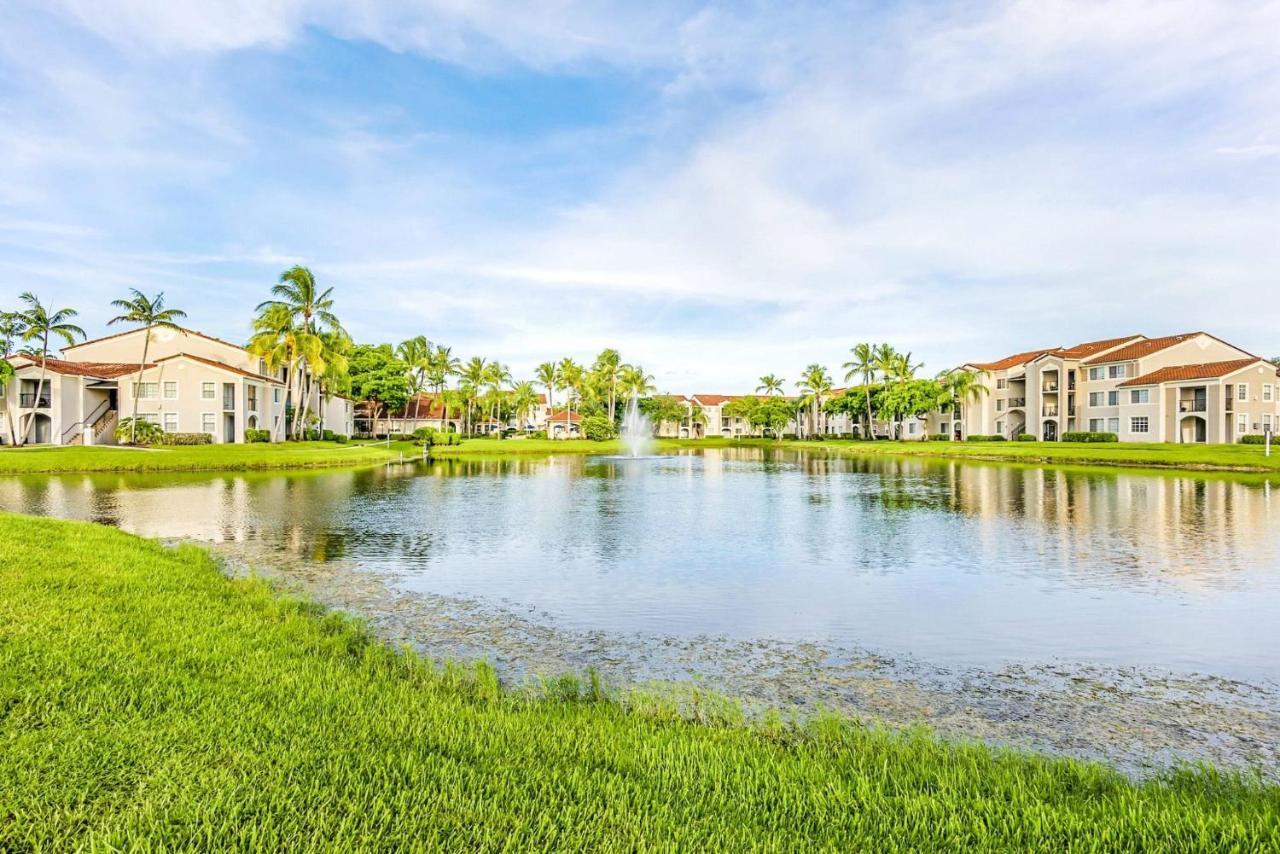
(27, 400)
(1050, 387)
(229, 401)
(91, 418)
(1017, 401)
(1049, 412)
(1231, 403)
(1196, 406)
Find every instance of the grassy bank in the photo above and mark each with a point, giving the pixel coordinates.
(292, 455)
(148, 701)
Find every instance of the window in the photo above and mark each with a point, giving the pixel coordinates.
(1242, 423)
(1140, 395)
(1242, 392)
(1097, 373)
(1000, 427)
(1096, 425)
(1113, 398)
(1002, 383)
(1267, 392)
(1139, 424)
(208, 391)
(275, 395)
(1095, 398)
(911, 428)
(1266, 421)
(1113, 425)
(170, 390)
(207, 422)
(146, 391)
(1000, 405)
(171, 422)
(150, 418)
(1117, 371)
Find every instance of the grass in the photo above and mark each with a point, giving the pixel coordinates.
(147, 701)
(291, 455)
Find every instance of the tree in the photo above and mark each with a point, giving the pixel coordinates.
(524, 397)
(634, 382)
(149, 313)
(442, 365)
(608, 367)
(11, 328)
(597, 428)
(38, 324)
(496, 376)
(863, 365)
(662, 409)
(569, 378)
(772, 414)
(274, 341)
(815, 383)
(911, 398)
(472, 377)
(959, 387)
(548, 374)
(379, 379)
(416, 352)
(770, 385)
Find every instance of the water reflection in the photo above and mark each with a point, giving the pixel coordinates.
(959, 563)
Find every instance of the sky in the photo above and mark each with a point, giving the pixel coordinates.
(718, 190)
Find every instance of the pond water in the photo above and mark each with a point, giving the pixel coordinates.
(743, 564)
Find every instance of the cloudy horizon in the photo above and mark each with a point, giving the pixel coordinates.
(717, 190)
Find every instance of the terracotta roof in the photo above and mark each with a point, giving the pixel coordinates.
(715, 399)
(1204, 371)
(560, 415)
(140, 328)
(223, 365)
(1015, 360)
(97, 370)
(1145, 347)
(1089, 348)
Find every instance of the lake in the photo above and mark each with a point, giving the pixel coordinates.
(992, 600)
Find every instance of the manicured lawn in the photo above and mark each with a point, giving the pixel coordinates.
(291, 455)
(146, 701)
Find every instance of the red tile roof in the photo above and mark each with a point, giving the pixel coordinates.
(96, 370)
(716, 399)
(223, 365)
(1203, 371)
(1015, 360)
(1145, 347)
(139, 329)
(561, 416)
(1089, 348)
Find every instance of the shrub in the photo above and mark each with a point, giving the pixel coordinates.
(939, 437)
(1089, 436)
(147, 433)
(538, 434)
(1254, 439)
(254, 435)
(427, 436)
(1027, 437)
(978, 437)
(597, 428)
(330, 436)
(184, 439)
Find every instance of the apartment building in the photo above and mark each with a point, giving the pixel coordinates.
(191, 383)
(1191, 387)
(428, 410)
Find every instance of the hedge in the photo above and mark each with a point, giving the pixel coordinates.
(1089, 436)
(1027, 437)
(252, 435)
(1254, 439)
(184, 439)
(978, 437)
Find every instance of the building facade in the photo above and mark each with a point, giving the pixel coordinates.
(191, 383)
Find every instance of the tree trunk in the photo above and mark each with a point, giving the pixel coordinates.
(142, 366)
(44, 370)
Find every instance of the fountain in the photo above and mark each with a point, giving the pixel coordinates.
(637, 432)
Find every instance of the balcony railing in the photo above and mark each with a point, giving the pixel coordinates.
(1049, 387)
(1015, 402)
(228, 401)
(1049, 412)
(1194, 406)
(27, 400)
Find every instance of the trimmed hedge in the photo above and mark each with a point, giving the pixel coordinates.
(184, 439)
(1027, 437)
(939, 437)
(1255, 439)
(978, 437)
(1089, 436)
(251, 435)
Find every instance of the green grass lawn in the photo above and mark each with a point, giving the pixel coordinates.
(291, 455)
(147, 701)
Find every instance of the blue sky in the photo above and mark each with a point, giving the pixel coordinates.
(718, 190)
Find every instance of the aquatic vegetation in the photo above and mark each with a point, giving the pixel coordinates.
(147, 700)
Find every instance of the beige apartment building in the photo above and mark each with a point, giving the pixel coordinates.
(1191, 387)
(191, 383)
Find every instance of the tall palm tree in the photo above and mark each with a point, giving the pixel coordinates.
(961, 387)
(274, 341)
(337, 346)
(634, 382)
(863, 366)
(496, 377)
(569, 377)
(38, 324)
(815, 383)
(11, 328)
(900, 369)
(609, 366)
(548, 374)
(524, 397)
(150, 313)
(416, 352)
(770, 385)
(442, 364)
(311, 310)
(472, 377)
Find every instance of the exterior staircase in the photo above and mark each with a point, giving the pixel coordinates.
(104, 429)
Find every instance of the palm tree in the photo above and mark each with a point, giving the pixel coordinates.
(472, 377)
(609, 367)
(524, 397)
(151, 314)
(569, 377)
(770, 385)
(634, 381)
(337, 346)
(960, 387)
(274, 341)
(11, 328)
(548, 374)
(38, 323)
(416, 352)
(311, 310)
(496, 376)
(815, 382)
(442, 364)
(863, 366)
(899, 368)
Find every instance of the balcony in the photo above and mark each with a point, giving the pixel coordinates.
(1017, 402)
(1049, 388)
(1196, 406)
(1049, 412)
(27, 400)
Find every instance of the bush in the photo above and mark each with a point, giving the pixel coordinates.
(1089, 436)
(252, 435)
(1254, 439)
(939, 437)
(597, 428)
(538, 434)
(425, 436)
(184, 439)
(978, 437)
(330, 436)
(1027, 437)
(147, 433)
